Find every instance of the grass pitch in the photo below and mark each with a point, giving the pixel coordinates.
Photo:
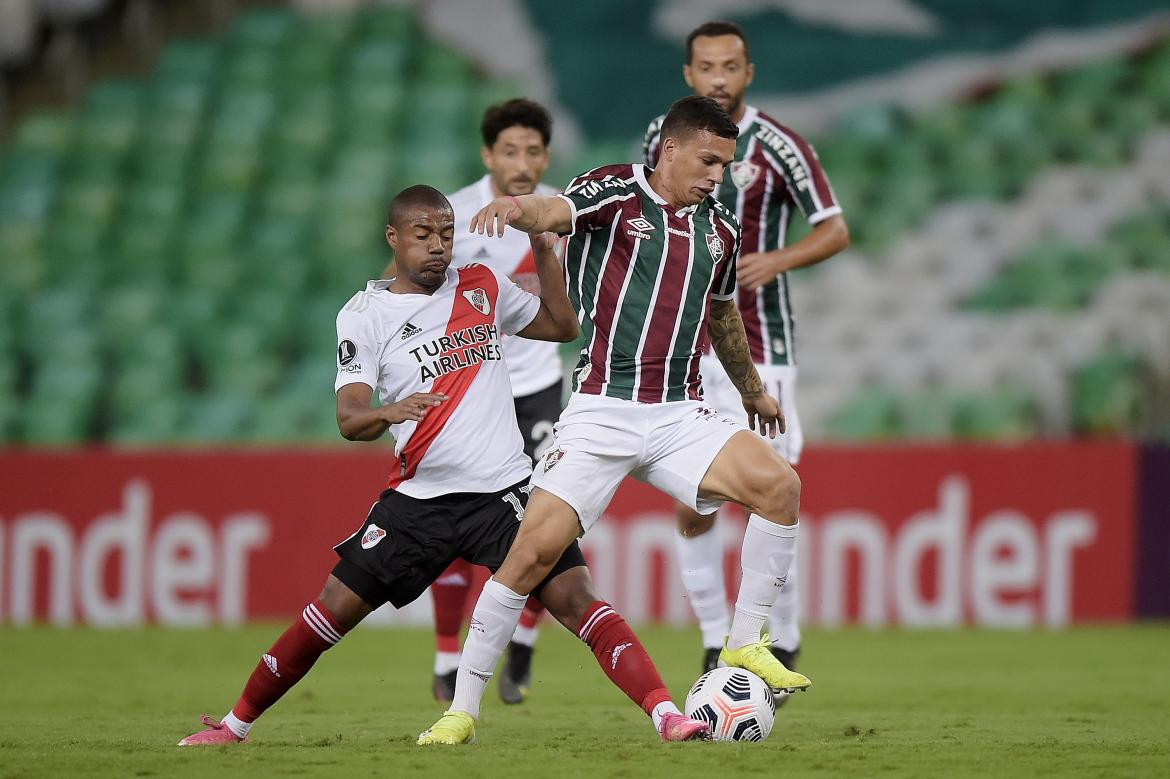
(1090, 702)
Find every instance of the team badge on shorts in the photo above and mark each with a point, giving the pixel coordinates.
(715, 244)
(479, 300)
(744, 173)
(551, 458)
(372, 536)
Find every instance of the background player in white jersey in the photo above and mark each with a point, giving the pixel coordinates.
(516, 135)
(428, 341)
(775, 173)
(651, 271)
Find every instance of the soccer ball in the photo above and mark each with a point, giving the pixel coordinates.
(735, 703)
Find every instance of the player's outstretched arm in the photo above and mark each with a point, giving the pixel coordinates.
(532, 214)
(729, 340)
(556, 320)
(358, 422)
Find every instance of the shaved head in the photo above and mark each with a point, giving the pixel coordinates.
(413, 198)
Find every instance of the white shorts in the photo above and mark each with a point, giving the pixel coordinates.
(600, 440)
(779, 382)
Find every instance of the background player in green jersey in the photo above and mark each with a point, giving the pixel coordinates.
(774, 174)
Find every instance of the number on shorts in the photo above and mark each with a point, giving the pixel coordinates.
(517, 506)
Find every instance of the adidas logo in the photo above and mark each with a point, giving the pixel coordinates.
(482, 254)
(270, 661)
(409, 331)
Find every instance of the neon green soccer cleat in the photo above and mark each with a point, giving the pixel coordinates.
(758, 659)
(454, 727)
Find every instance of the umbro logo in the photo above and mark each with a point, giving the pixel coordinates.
(640, 227)
(410, 330)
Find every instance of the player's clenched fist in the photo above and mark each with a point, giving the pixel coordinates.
(766, 409)
(496, 215)
(413, 407)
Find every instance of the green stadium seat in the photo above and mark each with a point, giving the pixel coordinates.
(154, 421)
(871, 414)
(387, 23)
(249, 67)
(928, 414)
(1006, 414)
(265, 28)
(46, 133)
(1108, 394)
(218, 417)
(1145, 237)
(109, 121)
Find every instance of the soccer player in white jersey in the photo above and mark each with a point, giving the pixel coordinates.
(775, 174)
(428, 341)
(650, 268)
(516, 135)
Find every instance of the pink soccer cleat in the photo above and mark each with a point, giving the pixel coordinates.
(676, 727)
(216, 733)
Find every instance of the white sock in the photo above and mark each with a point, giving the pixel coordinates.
(446, 662)
(784, 620)
(700, 560)
(494, 620)
(660, 711)
(237, 725)
(526, 636)
(768, 550)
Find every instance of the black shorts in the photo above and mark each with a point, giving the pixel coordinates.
(536, 414)
(406, 543)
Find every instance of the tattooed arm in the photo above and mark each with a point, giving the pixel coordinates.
(729, 340)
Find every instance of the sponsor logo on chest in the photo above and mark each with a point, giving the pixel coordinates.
(639, 227)
(457, 350)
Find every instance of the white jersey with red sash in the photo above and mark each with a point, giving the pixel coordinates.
(446, 342)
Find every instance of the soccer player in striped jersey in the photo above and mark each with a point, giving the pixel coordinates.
(650, 269)
(775, 174)
(428, 341)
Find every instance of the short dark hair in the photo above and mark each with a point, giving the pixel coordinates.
(517, 111)
(413, 197)
(695, 113)
(715, 29)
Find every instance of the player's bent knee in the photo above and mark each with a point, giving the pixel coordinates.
(781, 493)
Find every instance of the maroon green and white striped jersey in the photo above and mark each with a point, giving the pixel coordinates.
(774, 171)
(640, 276)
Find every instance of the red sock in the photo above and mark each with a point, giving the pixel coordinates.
(622, 656)
(288, 660)
(449, 594)
(533, 611)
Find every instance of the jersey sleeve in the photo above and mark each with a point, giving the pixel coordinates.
(796, 161)
(515, 308)
(725, 284)
(651, 144)
(357, 348)
(594, 200)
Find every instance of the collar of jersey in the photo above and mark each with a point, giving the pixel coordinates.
(640, 177)
(749, 115)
